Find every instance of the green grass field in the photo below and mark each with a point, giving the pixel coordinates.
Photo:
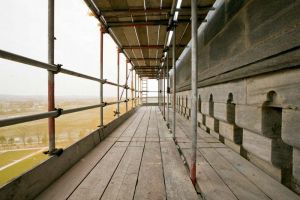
(11, 156)
(19, 168)
(83, 122)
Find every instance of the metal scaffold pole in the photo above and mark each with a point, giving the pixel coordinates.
(194, 75)
(168, 90)
(102, 31)
(135, 89)
(126, 94)
(174, 83)
(164, 97)
(131, 87)
(51, 98)
(118, 82)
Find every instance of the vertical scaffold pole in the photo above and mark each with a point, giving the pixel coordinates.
(118, 81)
(194, 75)
(135, 89)
(51, 98)
(102, 31)
(138, 89)
(126, 94)
(168, 89)
(174, 83)
(131, 87)
(164, 97)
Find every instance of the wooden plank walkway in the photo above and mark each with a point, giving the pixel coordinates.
(224, 174)
(139, 160)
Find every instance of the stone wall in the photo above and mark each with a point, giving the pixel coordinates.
(249, 83)
(258, 117)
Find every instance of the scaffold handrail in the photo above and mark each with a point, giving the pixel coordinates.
(55, 113)
(29, 61)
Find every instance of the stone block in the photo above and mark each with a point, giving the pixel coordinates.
(224, 112)
(232, 7)
(267, 167)
(291, 127)
(248, 117)
(262, 120)
(285, 84)
(268, 17)
(296, 169)
(215, 134)
(205, 108)
(296, 164)
(233, 146)
(212, 123)
(220, 92)
(215, 24)
(200, 118)
(228, 43)
(231, 132)
(270, 150)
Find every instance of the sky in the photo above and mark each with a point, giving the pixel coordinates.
(23, 31)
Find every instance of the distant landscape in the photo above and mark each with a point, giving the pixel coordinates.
(21, 145)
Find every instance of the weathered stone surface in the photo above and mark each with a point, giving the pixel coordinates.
(205, 108)
(291, 127)
(296, 169)
(221, 92)
(263, 24)
(215, 24)
(285, 84)
(270, 150)
(200, 118)
(267, 167)
(262, 120)
(224, 112)
(232, 7)
(230, 132)
(229, 42)
(248, 117)
(215, 134)
(212, 123)
(233, 146)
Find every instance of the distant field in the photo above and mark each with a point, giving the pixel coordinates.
(11, 156)
(69, 129)
(21, 167)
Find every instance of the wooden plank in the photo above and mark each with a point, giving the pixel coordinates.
(267, 184)
(177, 180)
(152, 128)
(237, 182)
(142, 130)
(122, 184)
(150, 181)
(95, 183)
(72, 178)
(210, 183)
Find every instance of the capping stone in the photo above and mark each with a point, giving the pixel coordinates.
(271, 150)
(212, 123)
(231, 132)
(291, 127)
(224, 112)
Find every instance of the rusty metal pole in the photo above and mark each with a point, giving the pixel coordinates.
(174, 83)
(102, 31)
(194, 75)
(118, 82)
(126, 94)
(51, 98)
